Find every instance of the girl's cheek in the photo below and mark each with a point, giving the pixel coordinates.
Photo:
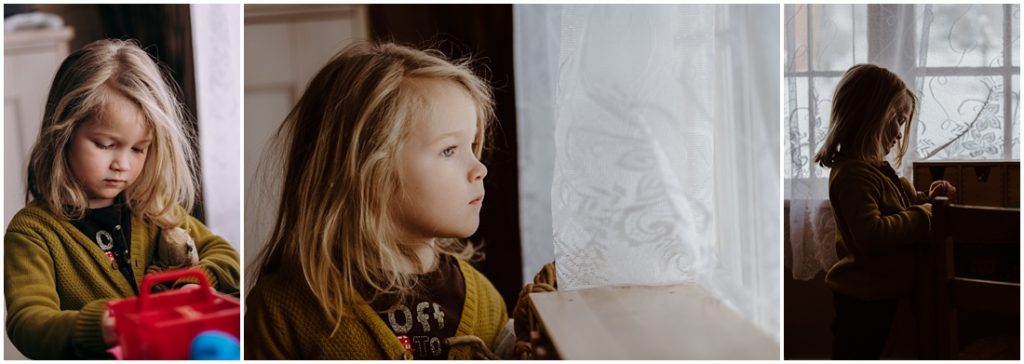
(140, 162)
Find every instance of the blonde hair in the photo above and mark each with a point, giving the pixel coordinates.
(82, 87)
(341, 172)
(866, 99)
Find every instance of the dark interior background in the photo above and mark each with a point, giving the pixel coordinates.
(485, 33)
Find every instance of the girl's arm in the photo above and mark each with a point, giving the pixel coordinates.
(916, 196)
(36, 324)
(217, 258)
(856, 196)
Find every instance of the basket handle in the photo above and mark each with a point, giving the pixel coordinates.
(153, 279)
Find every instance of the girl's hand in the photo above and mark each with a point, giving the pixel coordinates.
(107, 327)
(941, 188)
(214, 290)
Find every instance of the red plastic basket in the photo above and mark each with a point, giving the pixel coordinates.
(162, 325)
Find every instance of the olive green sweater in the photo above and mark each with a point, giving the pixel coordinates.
(57, 281)
(283, 320)
(877, 222)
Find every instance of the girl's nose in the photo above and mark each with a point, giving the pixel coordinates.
(120, 163)
(478, 172)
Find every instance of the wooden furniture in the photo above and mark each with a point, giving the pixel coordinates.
(665, 322)
(982, 183)
(974, 254)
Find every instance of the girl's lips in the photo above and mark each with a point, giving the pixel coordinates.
(477, 201)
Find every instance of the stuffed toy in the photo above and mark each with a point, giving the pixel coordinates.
(176, 249)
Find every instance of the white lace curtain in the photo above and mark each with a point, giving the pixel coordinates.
(649, 147)
(962, 61)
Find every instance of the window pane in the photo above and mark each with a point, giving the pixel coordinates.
(964, 35)
(796, 158)
(961, 118)
(823, 89)
(796, 38)
(860, 38)
(838, 36)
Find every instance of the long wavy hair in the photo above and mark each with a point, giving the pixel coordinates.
(81, 89)
(866, 99)
(340, 143)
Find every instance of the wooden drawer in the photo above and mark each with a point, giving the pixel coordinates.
(982, 183)
(926, 173)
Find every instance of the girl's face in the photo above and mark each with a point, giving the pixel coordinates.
(441, 185)
(894, 126)
(108, 151)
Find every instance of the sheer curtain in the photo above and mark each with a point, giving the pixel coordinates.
(961, 60)
(653, 132)
(215, 44)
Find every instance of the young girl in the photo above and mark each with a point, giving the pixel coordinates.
(382, 178)
(878, 214)
(111, 169)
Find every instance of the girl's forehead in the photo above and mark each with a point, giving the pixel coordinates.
(903, 102)
(441, 98)
(119, 114)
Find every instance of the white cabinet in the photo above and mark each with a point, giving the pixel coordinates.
(31, 59)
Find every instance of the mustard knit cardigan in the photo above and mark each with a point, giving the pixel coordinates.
(283, 320)
(57, 281)
(877, 222)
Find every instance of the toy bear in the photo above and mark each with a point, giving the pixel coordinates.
(175, 249)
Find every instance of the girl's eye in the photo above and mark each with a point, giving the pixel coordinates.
(139, 150)
(104, 146)
(448, 152)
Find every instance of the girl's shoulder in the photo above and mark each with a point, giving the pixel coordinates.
(34, 215)
(36, 227)
(278, 298)
(856, 169)
(854, 164)
(283, 289)
(278, 286)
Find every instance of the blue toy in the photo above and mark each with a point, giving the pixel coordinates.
(215, 345)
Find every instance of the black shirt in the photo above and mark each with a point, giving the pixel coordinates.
(430, 314)
(111, 229)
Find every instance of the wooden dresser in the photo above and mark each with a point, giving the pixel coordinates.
(982, 183)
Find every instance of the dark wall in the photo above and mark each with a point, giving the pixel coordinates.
(485, 33)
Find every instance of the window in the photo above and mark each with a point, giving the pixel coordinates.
(961, 60)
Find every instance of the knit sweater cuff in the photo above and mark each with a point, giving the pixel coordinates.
(209, 276)
(214, 282)
(87, 334)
